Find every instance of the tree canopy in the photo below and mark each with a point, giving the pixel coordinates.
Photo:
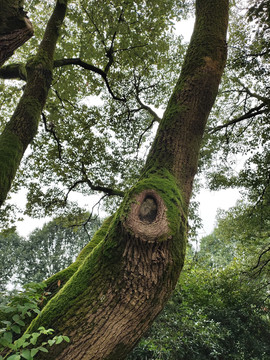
(85, 96)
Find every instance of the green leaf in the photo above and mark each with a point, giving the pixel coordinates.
(6, 322)
(8, 337)
(58, 339)
(14, 357)
(51, 342)
(18, 320)
(26, 354)
(16, 329)
(43, 349)
(66, 338)
(34, 352)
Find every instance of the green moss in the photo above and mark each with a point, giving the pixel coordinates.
(91, 267)
(41, 59)
(97, 238)
(58, 280)
(11, 151)
(167, 187)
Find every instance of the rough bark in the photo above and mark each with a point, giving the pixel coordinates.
(125, 277)
(22, 127)
(15, 28)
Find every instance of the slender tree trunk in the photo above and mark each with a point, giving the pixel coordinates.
(22, 127)
(15, 28)
(119, 285)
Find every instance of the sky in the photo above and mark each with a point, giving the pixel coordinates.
(210, 201)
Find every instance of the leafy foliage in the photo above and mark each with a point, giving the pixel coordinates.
(218, 313)
(14, 318)
(109, 78)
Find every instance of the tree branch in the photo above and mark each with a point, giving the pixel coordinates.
(23, 125)
(260, 258)
(85, 180)
(79, 62)
(50, 128)
(263, 99)
(13, 71)
(148, 109)
(15, 28)
(251, 113)
(86, 66)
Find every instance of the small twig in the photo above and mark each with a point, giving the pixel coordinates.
(250, 114)
(50, 128)
(141, 136)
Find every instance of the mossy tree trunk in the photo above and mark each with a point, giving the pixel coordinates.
(22, 127)
(15, 28)
(123, 278)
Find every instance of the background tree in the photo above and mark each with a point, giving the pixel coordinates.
(10, 245)
(45, 251)
(53, 248)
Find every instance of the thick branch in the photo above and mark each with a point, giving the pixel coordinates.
(84, 65)
(177, 144)
(13, 71)
(79, 62)
(22, 127)
(15, 28)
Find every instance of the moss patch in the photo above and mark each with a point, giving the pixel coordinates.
(11, 151)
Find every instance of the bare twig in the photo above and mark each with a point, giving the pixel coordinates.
(51, 129)
(257, 110)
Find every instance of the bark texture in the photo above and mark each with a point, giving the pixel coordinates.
(123, 278)
(15, 28)
(22, 127)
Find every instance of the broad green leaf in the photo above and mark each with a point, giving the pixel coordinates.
(8, 336)
(26, 354)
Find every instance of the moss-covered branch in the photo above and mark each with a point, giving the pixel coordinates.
(22, 127)
(177, 144)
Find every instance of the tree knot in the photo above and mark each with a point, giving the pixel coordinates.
(147, 218)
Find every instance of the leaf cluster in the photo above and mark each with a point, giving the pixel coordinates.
(14, 317)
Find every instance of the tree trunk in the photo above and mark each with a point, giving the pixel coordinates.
(15, 28)
(122, 281)
(22, 127)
